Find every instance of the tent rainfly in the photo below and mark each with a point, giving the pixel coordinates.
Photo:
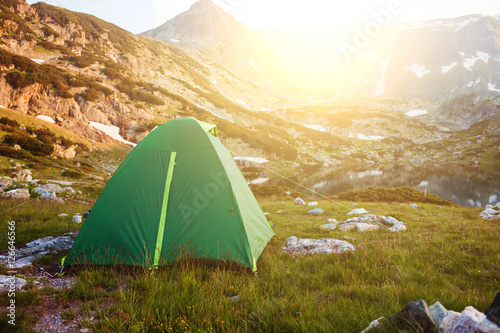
(177, 195)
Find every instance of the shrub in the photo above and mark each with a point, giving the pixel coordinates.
(9, 122)
(72, 174)
(393, 194)
(33, 145)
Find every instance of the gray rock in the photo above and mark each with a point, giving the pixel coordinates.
(5, 182)
(329, 226)
(20, 193)
(11, 283)
(303, 246)
(299, 201)
(348, 226)
(311, 204)
(490, 213)
(417, 207)
(389, 221)
(315, 211)
(397, 228)
(362, 227)
(23, 175)
(470, 320)
(332, 221)
(493, 312)
(56, 188)
(438, 313)
(37, 248)
(415, 316)
(357, 211)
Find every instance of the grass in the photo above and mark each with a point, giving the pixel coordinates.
(448, 254)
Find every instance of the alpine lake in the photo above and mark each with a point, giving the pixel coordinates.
(474, 186)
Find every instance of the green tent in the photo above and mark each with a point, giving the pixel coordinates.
(178, 194)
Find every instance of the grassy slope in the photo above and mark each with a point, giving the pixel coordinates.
(448, 254)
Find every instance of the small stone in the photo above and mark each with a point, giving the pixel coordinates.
(357, 211)
(417, 207)
(397, 228)
(294, 245)
(279, 211)
(299, 201)
(332, 221)
(62, 215)
(315, 211)
(68, 189)
(329, 226)
(311, 204)
(235, 298)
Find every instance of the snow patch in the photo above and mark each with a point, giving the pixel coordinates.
(38, 61)
(258, 160)
(415, 113)
(316, 127)
(473, 83)
(492, 87)
(112, 131)
(252, 63)
(370, 173)
(463, 24)
(258, 181)
(365, 137)
(175, 40)
(446, 69)
(418, 70)
(470, 62)
(243, 103)
(46, 118)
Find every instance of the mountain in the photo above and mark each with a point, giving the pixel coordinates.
(207, 33)
(431, 60)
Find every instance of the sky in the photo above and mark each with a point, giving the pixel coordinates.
(141, 15)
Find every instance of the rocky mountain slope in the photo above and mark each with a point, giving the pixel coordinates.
(433, 60)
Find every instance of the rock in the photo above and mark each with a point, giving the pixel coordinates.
(5, 182)
(397, 228)
(20, 193)
(491, 213)
(417, 207)
(294, 245)
(449, 322)
(357, 211)
(348, 226)
(374, 325)
(59, 201)
(362, 227)
(329, 226)
(10, 283)
(415, 316)
(235, 298)
(279, 211)
(315, 211)
(37, 248)
(311, 204)
(470, 320)
(389, 221)
(299, 201)
(332, 221)
(493, 312)
(56, 188)
(23, 175)
(17, 147)
(438, 313)
(68, 190)
(62, 215)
